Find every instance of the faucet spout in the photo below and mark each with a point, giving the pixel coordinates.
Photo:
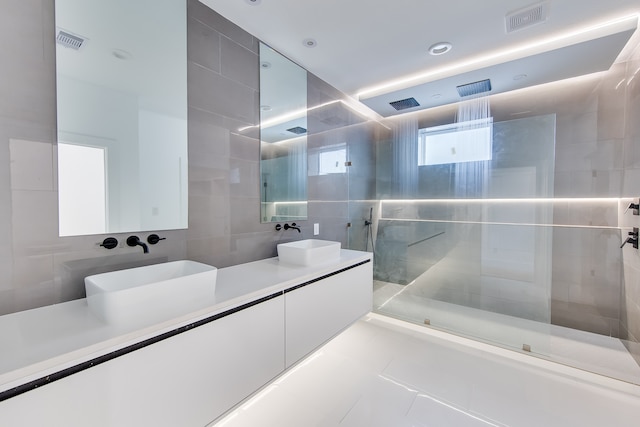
(293, 225)
(135, 241)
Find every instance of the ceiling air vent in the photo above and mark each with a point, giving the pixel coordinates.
(298, 130)
(403, 104)
(523, 18)
(69, 40)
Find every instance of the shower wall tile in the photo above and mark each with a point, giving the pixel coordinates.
(576, 128)
(583, 317)
(596, 155)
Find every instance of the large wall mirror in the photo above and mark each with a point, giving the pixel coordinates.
(283, 138)
(121, 73)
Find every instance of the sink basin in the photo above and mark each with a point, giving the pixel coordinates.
(308, 252)
(151, 293)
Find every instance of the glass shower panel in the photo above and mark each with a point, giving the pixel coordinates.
(483, 249)
(467, 246)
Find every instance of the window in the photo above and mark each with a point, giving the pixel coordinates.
(82, 189)
(456, 143)
(328, 160)
(332, 161)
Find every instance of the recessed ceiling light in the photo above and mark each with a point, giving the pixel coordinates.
(436, 96)
(440, 48)
(309, 42)
(519, 77)
(253, 2)
(121, 54)
(265, 107)
(265, 64)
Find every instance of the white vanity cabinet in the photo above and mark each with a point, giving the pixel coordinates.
(267, 317)
(186, 380)
(317, 311)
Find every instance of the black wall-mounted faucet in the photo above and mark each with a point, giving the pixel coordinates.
(135, 241)
(293, 225)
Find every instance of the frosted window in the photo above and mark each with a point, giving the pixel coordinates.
(332, 161)
(456, 143)
(81, 190)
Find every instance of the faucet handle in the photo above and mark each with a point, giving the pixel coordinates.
(154, 238)
(109, 243)
(633, 238)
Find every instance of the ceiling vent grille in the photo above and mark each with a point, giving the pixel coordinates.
(69, 40)
(403, 104)
(298, 130)
(527, 17)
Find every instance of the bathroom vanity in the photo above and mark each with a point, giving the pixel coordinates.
(61, 365)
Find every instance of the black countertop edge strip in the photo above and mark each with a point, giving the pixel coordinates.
(333, 273)
(55, 376)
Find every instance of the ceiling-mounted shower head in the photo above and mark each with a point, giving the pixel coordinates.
(475, 88)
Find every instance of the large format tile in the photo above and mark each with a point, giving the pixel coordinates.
(432, 379)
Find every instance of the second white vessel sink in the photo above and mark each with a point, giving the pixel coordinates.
(151, 293)
(308, 252)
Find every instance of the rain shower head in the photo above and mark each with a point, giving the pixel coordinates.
(475, 88)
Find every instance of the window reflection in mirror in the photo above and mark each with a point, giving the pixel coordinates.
(283, 138)
(121, 75)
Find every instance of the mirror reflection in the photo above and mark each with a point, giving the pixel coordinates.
(121, 74)
(283, 138)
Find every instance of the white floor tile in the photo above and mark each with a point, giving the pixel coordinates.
(384, 404)
(383, 372)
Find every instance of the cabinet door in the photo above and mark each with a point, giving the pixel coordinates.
(187, 380)
(317, 312)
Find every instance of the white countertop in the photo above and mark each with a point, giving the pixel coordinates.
(44, 340)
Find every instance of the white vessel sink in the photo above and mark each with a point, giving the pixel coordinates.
(308, 252)
(151, 293)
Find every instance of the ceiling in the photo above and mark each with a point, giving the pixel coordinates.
(377, 50)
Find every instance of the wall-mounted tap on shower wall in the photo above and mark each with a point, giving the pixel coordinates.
(635, 207)
(633, 238)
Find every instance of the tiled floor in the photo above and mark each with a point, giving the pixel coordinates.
(385, 372)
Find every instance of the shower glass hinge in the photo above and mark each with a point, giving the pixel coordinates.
(347, 163)
(348, 224)
(526, 347)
